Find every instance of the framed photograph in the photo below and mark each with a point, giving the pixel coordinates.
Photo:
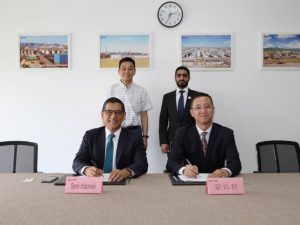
(44, 51)
(114, 47)
(280, 51)
(207, 51)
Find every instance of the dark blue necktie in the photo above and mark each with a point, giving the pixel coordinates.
(181, 104)
(109, 154)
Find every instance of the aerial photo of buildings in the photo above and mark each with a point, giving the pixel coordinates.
(44, 51)
(206, 51)
(281, 50)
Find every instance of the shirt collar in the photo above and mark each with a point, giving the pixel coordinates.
(201, 131)
(125, 86)
(116, 133)
(184, 89)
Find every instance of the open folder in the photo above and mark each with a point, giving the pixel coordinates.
(62, 180)
(183, 180)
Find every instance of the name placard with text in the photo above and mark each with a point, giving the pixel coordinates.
(82, 184)
(225, 186)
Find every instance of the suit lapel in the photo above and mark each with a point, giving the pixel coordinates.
(100, 151)
(188, 103)
(173, 101)
(212, 141)
(174, 104)
(198, 148)
(121, 146)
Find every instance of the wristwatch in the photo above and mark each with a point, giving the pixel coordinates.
(145, 136)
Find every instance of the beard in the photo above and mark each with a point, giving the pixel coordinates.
(182, 84)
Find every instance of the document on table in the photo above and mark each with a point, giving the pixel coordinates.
(200, 177)
(105, 177)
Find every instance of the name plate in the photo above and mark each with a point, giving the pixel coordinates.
(225, 186)
(82, 184)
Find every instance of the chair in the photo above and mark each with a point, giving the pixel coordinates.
(278, 157)
(18, 157)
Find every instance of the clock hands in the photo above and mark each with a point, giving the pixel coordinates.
(170, 14)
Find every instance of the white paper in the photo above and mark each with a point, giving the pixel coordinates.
(105, 177)
(202, 177)
(28, 180)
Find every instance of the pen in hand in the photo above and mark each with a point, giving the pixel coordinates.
(188, 162)
(97, 171)
(190, 170)
(94, 163)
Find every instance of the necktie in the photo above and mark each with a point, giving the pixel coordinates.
(109, 154)
(181, 105)
(204, 142)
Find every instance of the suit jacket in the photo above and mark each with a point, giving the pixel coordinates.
(221, 149)
(130, 154)
(169, 119)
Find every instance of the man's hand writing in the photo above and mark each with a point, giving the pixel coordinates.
(92, 171)
(191, 171)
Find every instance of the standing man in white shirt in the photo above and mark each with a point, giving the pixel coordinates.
(135, 98)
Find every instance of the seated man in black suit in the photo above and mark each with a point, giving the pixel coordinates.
(204, 147)
(111, 149)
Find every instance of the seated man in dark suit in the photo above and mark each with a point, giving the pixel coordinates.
(204, 147)
(111, 149)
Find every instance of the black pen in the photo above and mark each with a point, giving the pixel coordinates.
(94, 163)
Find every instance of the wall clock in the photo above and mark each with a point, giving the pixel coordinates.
(170, 14)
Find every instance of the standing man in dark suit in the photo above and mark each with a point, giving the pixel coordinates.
(111, 149)
(175, 109)
(204, 147)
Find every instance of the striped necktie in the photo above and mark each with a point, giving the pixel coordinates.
(204, 142)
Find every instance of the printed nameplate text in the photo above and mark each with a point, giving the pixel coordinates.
(82, 184)
(225, 186)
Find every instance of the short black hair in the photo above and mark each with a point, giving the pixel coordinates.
(202, 95)
(127, 59)
(113, 100)
(183, 68)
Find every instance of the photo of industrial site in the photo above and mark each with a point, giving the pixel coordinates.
(281, 51)
(44, 51)
(210, 51)
(115, 47)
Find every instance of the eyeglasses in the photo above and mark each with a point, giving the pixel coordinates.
(109, 112)
(203, 107)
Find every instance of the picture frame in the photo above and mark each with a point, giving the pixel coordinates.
(44, 51)
(280, 51)
(207, 51)
(113, 47)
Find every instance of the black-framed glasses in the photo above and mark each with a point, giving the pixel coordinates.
(203, 107)
(109, 112)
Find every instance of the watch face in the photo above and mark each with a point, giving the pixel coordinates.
(170, 14)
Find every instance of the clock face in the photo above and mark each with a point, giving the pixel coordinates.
(170, 14)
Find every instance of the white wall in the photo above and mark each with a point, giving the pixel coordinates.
(55, 108)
